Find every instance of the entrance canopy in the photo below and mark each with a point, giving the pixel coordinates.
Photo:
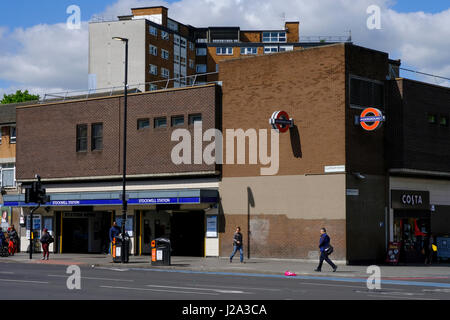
(143, 197)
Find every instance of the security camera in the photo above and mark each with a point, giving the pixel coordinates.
(359, 176)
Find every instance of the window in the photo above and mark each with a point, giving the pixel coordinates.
(82, 137)
(201, 51)
(274, 36)
(195, 118)
(97, 136)
(143, 123)
(154, 69)
(176, 58)
(191, 64)
(245, 51)
(201, 68)
(286, 48)
(443, 121)
(191, 46)
(153, 50)
(12, 134)
(153, 87)
(177, 121)
(217, 67)
(7, 175)
(270, 49)
(164, 35)
(224, 51)
(172, 25)
(366, 93)
(165, 73)
(160, 122)
(165, 54)
(183, 61)
(153, 31)
(183, 42)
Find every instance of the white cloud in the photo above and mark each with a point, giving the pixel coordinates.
(52, 56)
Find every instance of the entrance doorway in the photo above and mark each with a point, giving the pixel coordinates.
(188, 233)
(76, 235)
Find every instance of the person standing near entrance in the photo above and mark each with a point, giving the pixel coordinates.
(46, 239)
(13, 240)
(324, 243)
(113, 232)
(237, 245)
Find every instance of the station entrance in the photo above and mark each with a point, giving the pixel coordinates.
(85, 232)
(185, 229)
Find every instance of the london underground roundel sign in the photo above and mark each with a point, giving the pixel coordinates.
(371, 119)
(280, 121)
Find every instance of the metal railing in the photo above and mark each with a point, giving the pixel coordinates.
(325, 39)
(179, 82)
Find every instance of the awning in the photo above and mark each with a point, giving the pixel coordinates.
(182, 196)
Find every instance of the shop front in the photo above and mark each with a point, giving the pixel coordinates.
(80, 222)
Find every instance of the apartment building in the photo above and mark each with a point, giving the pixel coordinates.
(161, 48)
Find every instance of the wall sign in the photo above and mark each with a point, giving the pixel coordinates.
(280, 121)
(410, 199)
(371, 119)
(211, 226)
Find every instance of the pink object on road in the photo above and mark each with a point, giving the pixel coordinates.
(289, 274)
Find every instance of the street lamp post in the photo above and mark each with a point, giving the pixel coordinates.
(124, 200)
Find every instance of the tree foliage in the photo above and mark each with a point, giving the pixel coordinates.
(19, 96)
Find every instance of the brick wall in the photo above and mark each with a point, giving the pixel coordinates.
(48, 134)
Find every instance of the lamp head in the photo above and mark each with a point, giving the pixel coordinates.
(120, 39)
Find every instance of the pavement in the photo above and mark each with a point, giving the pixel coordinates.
(434, 272)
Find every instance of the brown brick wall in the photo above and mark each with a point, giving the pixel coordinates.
(249, 36)
(48, 134)
(309, 85)
(292, 32)
(277, 236)
(7, 149)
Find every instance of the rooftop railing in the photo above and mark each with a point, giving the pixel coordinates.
(179, 82)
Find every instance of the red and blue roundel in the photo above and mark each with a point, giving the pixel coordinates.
(371, 119)
(280, 121)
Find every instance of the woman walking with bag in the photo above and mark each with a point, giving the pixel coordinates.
(325, 250)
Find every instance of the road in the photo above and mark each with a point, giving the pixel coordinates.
(37, 281)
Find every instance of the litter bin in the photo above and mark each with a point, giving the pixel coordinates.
(161, 252)
(121, 246)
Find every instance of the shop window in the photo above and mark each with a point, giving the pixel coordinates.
(81, 138)
(177, 121)
(143, 123)
(160, 122)
(97, 136)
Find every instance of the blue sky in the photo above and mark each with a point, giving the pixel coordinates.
(54, 11)
(38, 58)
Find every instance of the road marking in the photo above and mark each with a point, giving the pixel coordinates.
(228, 287)
(26, 281)
(6, 272)
(207, 289)
(436, 290)
(92, 278)
(397, 297)
(145, 289)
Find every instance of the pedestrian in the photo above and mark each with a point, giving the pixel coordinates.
(237, 245)
(113, 232)
(324, 244)
(429, 250)
(13, 240)
(46, 239)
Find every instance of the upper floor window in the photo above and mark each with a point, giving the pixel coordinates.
(191, 46)
(191, 64)
(274, 36)
(270, 49)
(195, 118)
(143, 123)
(177, 121)
(164, 35)
(82, 132)
(201, 68)
(366, 93)
(245, 51)
(7, 175)
(172, 25)
(286, 48)
(224, 51)
(201, 51)
(97, 136)
(154, 69)
(153, 50)
(160, 122)
(183, 42)
(165, 73)
(153, 31)
(164, 54)
(12, 134)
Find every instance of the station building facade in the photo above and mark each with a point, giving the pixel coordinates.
(325, 171)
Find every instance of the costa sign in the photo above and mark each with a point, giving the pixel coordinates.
(280, 121)
(371, 119)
